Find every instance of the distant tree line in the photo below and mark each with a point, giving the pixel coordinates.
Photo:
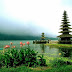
(16, 37)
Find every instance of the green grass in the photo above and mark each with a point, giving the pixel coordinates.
(67, 68)
(50, 68)
(60, 45)
(50, 59)
(17, 69)
(1, 50)
(64, 68)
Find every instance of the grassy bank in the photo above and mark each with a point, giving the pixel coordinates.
(54, 64)
(60, 45)
(64, 68)
(53, 43)
(50, 68)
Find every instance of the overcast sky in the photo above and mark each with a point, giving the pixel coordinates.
(32, 17)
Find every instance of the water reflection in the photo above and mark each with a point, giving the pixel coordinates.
(55, 51)
(49, 51)
(66, 52)
(43, 48)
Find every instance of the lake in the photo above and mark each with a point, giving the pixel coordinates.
(40, 48)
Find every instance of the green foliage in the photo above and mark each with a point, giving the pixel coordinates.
(22, 68)
(60, 45)
(21, 56)
(30, 58)
(14, 57)
(11, 58)
(58, 63)
(1, 60)
(42, 61)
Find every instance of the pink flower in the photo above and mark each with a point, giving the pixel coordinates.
(21, 43)
(14, 46)
(24, 44)
(11, 43)
(28, 42)
(7, 46)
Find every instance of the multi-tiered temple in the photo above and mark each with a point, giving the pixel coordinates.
(65, 37)
(43, 37)
(42, 41)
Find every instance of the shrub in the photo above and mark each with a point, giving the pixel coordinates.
(30, 58)
(21, 56)
(42, 61)
(58, 63)
(1, 60)
(11, 58)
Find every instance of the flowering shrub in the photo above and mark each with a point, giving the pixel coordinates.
(13, 57)
(28, 57)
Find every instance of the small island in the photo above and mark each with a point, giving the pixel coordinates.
(42, 41)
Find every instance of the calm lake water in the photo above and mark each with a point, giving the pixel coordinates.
(40, 48)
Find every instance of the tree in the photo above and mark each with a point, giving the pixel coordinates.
(65, 37)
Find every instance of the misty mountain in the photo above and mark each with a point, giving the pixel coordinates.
(18, 27)
(17, 37)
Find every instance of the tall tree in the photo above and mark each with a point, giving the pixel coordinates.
(65, 37)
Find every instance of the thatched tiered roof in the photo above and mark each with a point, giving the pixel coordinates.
(65, 36)
(43, 37)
